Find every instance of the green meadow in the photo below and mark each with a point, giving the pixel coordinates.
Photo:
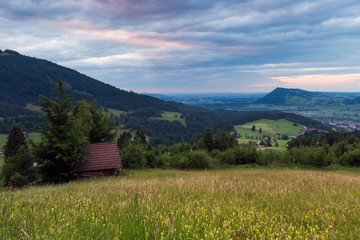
(115, 112)
(269, 127)
(36, 137)
(171, 116)
(3, 139)
(172, 204)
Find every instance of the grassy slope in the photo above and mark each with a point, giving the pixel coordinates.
(269, 127)
(221, 204)
(3, 138)
(116, 112)
(172, 116)
(273, 128)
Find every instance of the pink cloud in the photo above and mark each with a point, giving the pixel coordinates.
(122, 36)
(318, 79)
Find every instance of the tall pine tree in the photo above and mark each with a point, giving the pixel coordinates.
(101, 127)
(15, 140)
(64, 137)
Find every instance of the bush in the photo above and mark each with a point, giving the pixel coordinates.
(351, 159)
(133, 157)
(228, 157)
(198, 160)
(18, 180)
(151, 160)
(309, 156)
(18, 170)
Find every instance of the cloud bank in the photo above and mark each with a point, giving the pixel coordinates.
(193, 45)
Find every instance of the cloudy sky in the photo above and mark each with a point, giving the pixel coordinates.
(168, 46)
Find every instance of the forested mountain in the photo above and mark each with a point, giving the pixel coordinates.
(24, 78)
(284, 96)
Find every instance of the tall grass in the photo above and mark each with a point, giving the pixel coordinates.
(221, 204)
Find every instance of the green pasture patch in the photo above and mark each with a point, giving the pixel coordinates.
(171, 116)
(34, 136)
(3, 139)
(33, 107)
(275, 128)
(115, 112)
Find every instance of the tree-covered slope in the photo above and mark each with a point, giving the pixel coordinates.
(24, 78)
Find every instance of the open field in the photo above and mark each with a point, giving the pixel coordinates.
(171, 116)
(3, 139)
(36, 137)
(272, 128)
(269, 127)
(1, 161)
(170, 204)
(115, 112)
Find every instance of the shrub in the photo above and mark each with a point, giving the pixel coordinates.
(351, 159)
(198, 160)
(133, 157)
(18, 170)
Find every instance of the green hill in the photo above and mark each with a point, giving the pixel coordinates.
(24, 78)
(296, 97)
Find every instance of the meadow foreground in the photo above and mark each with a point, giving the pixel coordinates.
(170, 204)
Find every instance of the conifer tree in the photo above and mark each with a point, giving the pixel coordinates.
(17, 170)
(208, 140)
(64, 137)
(15, 140)
(101, 127)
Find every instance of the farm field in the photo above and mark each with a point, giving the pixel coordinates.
(171, 204)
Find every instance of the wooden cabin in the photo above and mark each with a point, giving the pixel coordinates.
(103, 159)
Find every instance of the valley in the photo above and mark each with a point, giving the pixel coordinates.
(340, 110)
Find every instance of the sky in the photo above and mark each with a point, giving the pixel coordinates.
(193, 46)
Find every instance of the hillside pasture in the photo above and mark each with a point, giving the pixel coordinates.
(115, 112)
(275, 128)
(3, 139)
(171, 116)
(36, 137)
(169, 204)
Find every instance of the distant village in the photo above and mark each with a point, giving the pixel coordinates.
(348, 125)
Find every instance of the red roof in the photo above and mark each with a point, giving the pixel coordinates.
(101, 156)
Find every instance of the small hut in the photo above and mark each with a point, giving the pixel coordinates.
(103, 159)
